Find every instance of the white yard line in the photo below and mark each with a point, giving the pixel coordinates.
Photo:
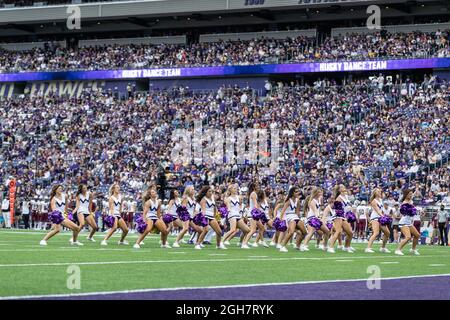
(213, 287)
(26, 265)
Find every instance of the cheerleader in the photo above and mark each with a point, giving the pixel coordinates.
(152, 216)
(340, 202)
(83, 203)
(362, 221)
(208, 207)
(189, 202)
(290, 211)
(314, 224)
(253, 203)
(408, 211)
(375, 216)
(172, 206)
(234, 204)
(276, 240)
(59, 203)
(115, 208)
(265, 208)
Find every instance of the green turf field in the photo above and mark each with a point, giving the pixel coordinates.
(30, 269)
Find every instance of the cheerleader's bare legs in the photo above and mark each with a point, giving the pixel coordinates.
(347, 228)
(91, 222)
(408, 233)
(160, 225)
(185, 229)
(118, 223)
(376, 231)
(236, 224)
(56, 228)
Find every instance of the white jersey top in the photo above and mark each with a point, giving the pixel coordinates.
(60, 204)
(292, 207)
(310, 212)
(235, 207)
(190, 205)
(330, 215)
(374, 215)
(252, 205)
(209, 208)
(173, 209)
(264, 206)
(84, 203)
(346, 203)
(116, 205)
(153, 209)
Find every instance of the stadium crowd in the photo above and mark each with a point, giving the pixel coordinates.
(256, 51)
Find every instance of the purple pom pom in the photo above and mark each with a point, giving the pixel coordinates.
(338, 206)
(315, 223)
(138, 219)
(350, 216)
(56, 217)
(279, 225)
(200, 220)
(183, 213)
(168, 218)
(141, 227)
(223, 210)
(329, 226)
(70, 216)
(385, 220)
(257, 214)
(109, 221)
(407, 209)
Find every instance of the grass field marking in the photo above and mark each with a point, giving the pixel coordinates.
(389, 262)
(217, 254)
(436, 265)
(193, 261)
(258, 256)
(177, 252)
(217, 287)
(342, 260)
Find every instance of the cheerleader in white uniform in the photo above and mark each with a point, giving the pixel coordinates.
(278, 236)
(253, 189)
(152, 216)
(376, 204)
(115, 208)
(208, 208)
(264, 206)
(83, 212)
(172, 206)
(58, 202)
(234, 204)
(312, 207)
(339, 221)
(290, 212)
(189, 202)
(406, 224)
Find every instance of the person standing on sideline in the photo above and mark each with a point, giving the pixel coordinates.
(5, 211)
(443, 223)
(26, 213)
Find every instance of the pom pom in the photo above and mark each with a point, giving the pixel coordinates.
(56, 217)
(200, 220)
(329, 226)
(338, 206)
(168, 218)
(350, 216)
(223, 210)
(315, 223)
(109, 221)
(385, 220)
(183, 213)
(407, 209)
(138, 219)
(257, 214)
(70, 216)
(141, 227)
(279, 225)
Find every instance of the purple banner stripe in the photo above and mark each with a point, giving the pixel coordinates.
(159, 73)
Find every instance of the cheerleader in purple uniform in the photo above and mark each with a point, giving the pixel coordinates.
(377, 220)
(152, 217)
(276, 240)
(340, 203)
(115, 208)
(314, 224)
(253, 203)
(290, 211)
(327, 218)
(408, 211)
(58, 216)
(234, 204)
(189, 203)
(208, 208)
